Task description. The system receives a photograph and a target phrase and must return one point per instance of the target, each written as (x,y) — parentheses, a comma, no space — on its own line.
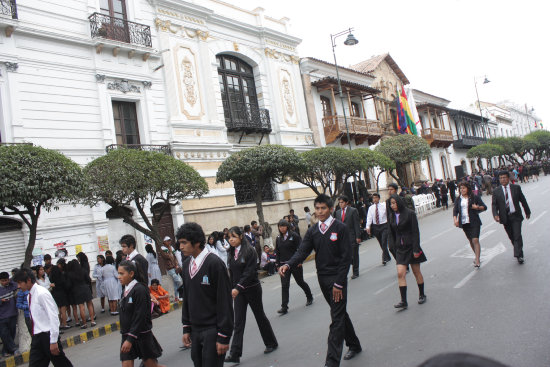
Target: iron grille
(105,26)
(8,7)
(244,192)
(246,117)
(147,147)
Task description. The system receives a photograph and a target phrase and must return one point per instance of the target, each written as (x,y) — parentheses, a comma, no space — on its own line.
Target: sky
(441,46)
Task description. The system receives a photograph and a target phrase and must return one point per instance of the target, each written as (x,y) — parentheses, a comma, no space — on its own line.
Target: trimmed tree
(542,137)
(259,166)
(487,151)
(33,179)
(126,177)
(373,159)
(404,149)
(328,168)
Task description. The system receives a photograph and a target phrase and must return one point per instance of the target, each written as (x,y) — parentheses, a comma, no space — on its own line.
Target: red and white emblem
(334,236)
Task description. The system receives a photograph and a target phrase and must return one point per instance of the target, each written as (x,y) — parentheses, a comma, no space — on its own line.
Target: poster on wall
(148,240)
(61,251)
(37,257)
(103,243)
(78,249)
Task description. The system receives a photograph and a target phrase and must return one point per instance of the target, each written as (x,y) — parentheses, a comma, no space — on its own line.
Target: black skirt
(404,256)
(471,230)
(144,347)
(80,294)
(60,297)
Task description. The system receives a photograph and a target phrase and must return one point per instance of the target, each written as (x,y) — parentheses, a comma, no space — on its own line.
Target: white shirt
(129,287)
(308,218)
(44,312)
(328,222)
(198,260)
(371,214)
(465,218)
(510,201)
(44,283)
(177,254)
(132,255)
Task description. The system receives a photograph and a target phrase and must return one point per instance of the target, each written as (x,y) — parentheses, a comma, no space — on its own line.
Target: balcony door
(325,103)
(114,25)
(126,123)
(240,102)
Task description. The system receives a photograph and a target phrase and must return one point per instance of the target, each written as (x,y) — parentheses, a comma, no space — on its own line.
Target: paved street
(500,311)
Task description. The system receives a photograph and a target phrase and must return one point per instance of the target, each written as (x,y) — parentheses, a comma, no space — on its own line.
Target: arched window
(240,102)
(327,109)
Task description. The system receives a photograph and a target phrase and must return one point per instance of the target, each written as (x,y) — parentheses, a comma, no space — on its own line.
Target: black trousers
(355,257)
(513,229)
(253,297)
(40,355)
(380,231)
(298,274)
(341,327)
(203,348)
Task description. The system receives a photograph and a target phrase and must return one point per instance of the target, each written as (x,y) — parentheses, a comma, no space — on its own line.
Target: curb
(74,340)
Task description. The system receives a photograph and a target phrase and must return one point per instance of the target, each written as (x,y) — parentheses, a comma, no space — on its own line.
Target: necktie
(343,214)
(323,227)
(377,216)
(194,268)
(506,198)
(236,253)
(32,320)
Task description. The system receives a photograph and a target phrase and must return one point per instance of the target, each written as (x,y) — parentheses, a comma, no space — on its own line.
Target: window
(436,123)
(113,8)
(126,124)
(325,103)
(244,192)
(238,89)
(355,110)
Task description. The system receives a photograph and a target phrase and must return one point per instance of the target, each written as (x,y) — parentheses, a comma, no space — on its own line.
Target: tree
(404,149)
(373,159)
(330,168)
(33,179)
(258,167)
(543,139)
(487,151)
(126,177)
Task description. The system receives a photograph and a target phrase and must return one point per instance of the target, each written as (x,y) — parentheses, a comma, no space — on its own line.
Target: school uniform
(331,241)
(377,222)
(285,247)
(404,237)
(244,278)
(468,218)
(207,310)
(44,329)
(136,325)
(140,262)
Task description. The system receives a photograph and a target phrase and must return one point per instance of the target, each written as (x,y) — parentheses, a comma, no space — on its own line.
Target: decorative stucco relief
(187,82)
(286,87)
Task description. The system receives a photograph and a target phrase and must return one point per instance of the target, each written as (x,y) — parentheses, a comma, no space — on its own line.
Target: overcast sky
(440,45)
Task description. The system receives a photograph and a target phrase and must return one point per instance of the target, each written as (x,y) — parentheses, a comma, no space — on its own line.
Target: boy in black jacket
(207,310)
(330,240)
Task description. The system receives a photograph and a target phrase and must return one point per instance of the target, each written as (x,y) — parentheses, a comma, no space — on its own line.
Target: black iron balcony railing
(466,142)
(117,29)
(246,117)
(9,8)
(148,147)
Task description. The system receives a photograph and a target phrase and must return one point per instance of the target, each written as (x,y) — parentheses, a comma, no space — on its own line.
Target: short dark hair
(253,222)
(109,260)
(23,275)
(467,186)
(306,209)
(324,199)
(291,211)
(192,232)
(47,257)
(246,228)
(394,185)
(283,223)
(128,240)
(155,281)
(5,275)
(376,194)
(344,198)
(504,173)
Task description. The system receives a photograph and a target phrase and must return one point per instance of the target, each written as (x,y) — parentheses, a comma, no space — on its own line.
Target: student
(45,344)
(377,225)
(59,287)
(331,241)
(247,290)
(136,326)
(111,285)
(8,314)
(207,312)
(128,244)
(161,296)
(80,292)
(97,274)
(286,245)
(154,269)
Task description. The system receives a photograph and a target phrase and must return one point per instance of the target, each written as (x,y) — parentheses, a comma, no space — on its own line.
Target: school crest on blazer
(334,236)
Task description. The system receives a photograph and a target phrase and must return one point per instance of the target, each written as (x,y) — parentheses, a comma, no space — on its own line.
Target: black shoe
(309,302)
(355,276)
(422,299)
(402,305)
(351,353)
(384,262)
(270,349)
(283,311)
(233,359)
(521,260)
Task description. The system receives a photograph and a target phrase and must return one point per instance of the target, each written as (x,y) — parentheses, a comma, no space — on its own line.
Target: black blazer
(285,249)
(499,203)
(351,221)
(472,213)
(243,271)
(406,233)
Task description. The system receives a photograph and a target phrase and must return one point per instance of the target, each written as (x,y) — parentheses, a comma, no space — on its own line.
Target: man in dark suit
(350,217)
(506,210)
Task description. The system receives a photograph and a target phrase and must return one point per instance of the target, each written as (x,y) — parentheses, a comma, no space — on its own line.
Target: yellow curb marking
(96,333)
(108,329)
(70,341)
(10,362)
(83,337)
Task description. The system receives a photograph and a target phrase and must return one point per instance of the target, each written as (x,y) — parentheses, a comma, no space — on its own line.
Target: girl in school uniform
(246,291)
(136,326)
(98,275)
(154,269)
(111,285)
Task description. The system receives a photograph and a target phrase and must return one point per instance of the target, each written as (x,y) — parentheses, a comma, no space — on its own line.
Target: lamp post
(485,81)
(350,41)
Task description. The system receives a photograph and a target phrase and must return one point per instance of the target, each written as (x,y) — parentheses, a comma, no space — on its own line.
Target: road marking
(466,251)
(485,259)
(537,218)
(439,234)
(395,281)
(543,192)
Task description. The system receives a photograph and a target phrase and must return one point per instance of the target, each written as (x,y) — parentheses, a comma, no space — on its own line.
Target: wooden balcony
(438,138)
(360,129)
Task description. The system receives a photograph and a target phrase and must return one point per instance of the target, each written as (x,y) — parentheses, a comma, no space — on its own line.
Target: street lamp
(485,81)
(350,41)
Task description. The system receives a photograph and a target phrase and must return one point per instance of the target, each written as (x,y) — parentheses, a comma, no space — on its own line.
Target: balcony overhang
(438,138)
(329,83)
(360,129)
(467,142)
